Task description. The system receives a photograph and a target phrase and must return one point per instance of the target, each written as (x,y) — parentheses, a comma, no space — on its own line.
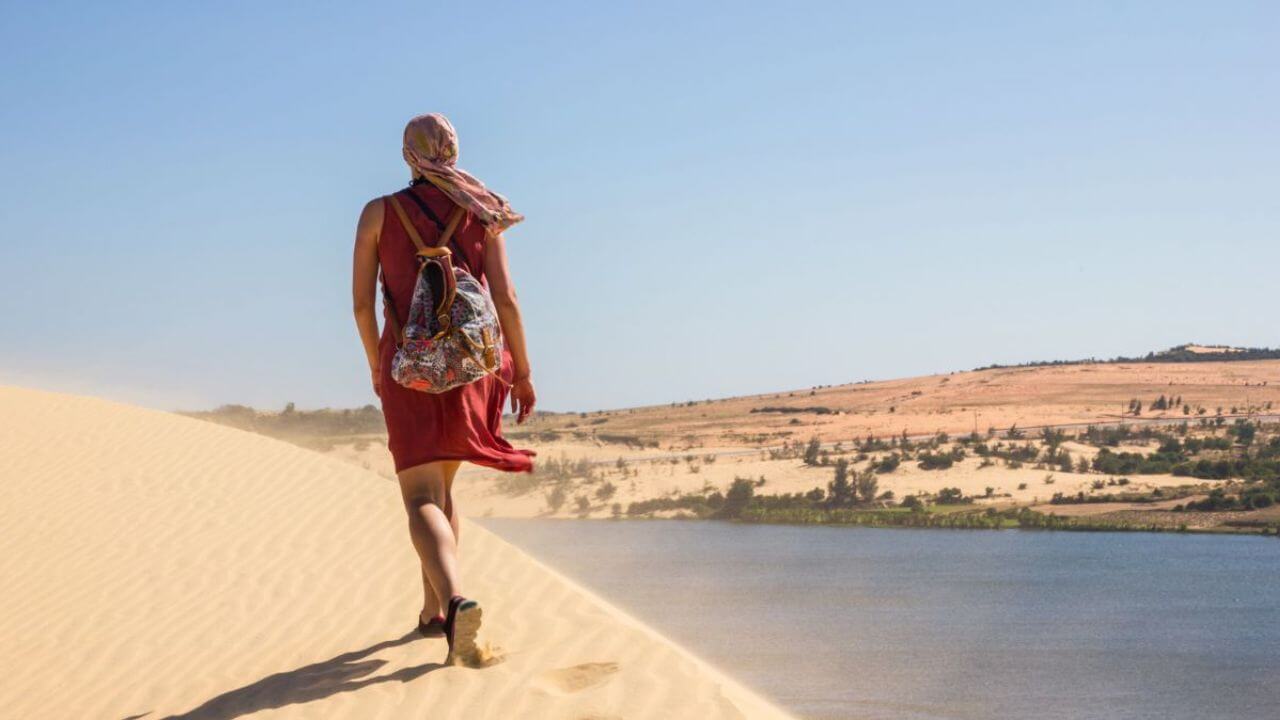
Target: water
(913,624)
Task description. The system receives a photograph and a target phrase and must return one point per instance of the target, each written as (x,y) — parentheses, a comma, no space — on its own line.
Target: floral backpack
(452,336)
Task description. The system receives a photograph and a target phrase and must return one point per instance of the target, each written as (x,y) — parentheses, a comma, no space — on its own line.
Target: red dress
(464,423)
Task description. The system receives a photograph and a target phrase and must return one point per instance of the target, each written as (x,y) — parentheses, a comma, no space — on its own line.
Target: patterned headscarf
(431,149)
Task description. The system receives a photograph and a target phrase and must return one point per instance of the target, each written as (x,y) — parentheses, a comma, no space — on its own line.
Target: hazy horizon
(721,200)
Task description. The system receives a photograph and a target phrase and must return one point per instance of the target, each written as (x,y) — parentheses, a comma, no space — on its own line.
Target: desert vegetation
(1240,459)
(1189,353)
(1095,442)
(315,429)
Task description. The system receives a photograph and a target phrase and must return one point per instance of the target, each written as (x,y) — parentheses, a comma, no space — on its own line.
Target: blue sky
(722,198)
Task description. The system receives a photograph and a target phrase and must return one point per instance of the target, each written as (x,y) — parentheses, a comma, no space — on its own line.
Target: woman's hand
(375,374)
(523,398)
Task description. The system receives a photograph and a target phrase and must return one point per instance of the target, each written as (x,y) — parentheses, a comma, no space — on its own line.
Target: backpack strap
(424,252)
(426,209)
(440,227)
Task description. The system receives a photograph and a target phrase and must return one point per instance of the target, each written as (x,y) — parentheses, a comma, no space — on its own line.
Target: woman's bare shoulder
(370,224)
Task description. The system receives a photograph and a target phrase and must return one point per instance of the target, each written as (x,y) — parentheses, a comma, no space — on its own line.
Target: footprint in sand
(577,678)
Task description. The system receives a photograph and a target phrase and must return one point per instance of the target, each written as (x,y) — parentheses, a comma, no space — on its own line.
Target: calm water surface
(912,624)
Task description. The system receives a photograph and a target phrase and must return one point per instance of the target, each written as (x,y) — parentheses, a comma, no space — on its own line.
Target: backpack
(452,336)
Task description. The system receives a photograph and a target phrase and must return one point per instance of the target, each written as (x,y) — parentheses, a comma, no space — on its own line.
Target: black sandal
(461,626)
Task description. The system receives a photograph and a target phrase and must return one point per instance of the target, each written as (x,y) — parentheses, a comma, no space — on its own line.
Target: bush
(952,496)
(931,461)
(556,498)
(738,498)
(887,464)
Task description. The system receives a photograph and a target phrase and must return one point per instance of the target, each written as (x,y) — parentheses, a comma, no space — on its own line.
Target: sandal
(431,628)
(461,627)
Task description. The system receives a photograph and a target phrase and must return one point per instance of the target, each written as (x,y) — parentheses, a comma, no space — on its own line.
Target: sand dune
(156,566)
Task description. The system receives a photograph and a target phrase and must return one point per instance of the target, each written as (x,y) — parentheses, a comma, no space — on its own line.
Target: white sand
(158,566)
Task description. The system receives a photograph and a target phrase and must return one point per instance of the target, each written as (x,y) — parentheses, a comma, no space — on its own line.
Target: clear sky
(722,198)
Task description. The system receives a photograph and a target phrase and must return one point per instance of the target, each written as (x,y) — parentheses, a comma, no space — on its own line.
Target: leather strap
(445,236)
(425,207)
(438,250)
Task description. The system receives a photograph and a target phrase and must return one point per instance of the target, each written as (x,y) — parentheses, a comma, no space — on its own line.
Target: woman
(430,435)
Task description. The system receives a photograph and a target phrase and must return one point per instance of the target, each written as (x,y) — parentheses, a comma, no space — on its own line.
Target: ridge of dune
(157,566)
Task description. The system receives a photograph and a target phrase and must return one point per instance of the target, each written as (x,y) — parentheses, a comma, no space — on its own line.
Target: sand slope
(155,566)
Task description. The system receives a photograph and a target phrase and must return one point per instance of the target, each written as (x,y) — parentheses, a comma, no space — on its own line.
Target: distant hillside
(1190,382)
(310,428)
(1177,354)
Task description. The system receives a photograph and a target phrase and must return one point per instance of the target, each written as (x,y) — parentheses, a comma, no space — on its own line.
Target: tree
(1245,432)
(812,452)
(738,497)
(1052,438)
(840,493)
(1064,461)
(867,484)
(606,491)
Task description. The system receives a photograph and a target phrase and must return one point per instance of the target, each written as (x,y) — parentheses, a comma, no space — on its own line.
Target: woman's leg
(425,491)
(450,510)
(430,603)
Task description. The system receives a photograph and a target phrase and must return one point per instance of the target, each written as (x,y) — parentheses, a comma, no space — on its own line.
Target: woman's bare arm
(364,285)
(503,291)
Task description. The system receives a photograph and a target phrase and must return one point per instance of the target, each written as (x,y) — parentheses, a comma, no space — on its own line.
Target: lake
(903,624)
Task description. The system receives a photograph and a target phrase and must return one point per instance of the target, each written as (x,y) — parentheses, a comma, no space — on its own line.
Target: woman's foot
(433,627)
(461,626)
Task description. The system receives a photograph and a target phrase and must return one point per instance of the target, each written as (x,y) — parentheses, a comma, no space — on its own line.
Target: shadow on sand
(341,673)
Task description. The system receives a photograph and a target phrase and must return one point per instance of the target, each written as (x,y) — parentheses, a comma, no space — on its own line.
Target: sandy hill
(603,461)
(157,566)
(955,403)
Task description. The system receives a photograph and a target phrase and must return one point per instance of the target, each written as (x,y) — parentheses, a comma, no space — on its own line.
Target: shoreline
(1266,532)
